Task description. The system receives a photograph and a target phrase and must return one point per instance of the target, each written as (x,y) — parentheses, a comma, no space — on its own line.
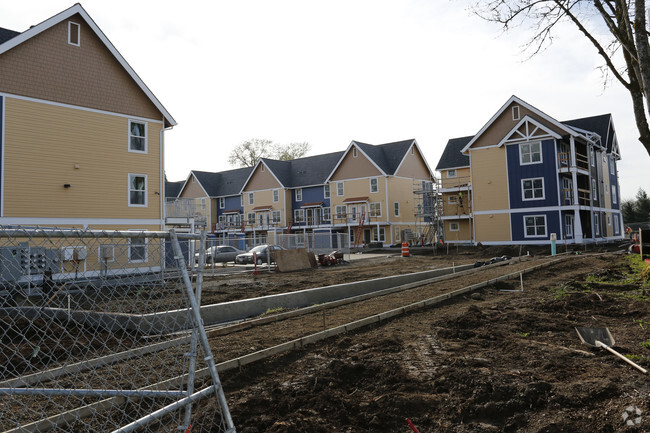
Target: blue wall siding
(546,170)
(613,181)
(310,195)
(518,229)
(232,203)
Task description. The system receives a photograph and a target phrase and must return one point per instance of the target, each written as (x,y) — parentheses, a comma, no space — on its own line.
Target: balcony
(584,197)
(564,161)
(195,208)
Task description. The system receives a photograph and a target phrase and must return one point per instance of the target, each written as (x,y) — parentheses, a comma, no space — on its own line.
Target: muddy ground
(495,361)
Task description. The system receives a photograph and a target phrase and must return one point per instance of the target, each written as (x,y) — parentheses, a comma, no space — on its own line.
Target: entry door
(353,213)
(363,213)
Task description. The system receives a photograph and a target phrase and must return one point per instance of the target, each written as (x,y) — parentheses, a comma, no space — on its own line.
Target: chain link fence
(101,331)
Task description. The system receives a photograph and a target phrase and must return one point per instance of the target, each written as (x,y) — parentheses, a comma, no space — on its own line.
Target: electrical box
(67,254)
(80,253)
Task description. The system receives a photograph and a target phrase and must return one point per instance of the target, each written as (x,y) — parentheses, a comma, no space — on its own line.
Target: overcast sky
(329,72)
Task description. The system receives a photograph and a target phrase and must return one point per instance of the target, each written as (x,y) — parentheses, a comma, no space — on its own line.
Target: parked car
(261,252)
(219,254)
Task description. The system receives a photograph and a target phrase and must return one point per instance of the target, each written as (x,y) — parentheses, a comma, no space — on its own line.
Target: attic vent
(515,112)
(74,31)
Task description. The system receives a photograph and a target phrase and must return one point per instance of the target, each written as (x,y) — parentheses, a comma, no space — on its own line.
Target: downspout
(473,209)
(390,227)
(162,176)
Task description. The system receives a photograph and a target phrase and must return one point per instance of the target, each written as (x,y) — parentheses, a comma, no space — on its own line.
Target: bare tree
(627,37)
(247,153)
(286,152)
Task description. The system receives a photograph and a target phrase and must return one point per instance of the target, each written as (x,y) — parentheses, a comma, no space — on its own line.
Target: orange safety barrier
(405,249)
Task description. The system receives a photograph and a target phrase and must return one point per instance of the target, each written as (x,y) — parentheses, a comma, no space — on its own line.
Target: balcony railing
(187,208)
(564,161)
(584,197)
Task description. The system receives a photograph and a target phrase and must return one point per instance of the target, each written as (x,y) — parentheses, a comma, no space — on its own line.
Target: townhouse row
(366,192)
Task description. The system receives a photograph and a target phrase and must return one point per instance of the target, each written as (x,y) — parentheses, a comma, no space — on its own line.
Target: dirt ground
(494,361)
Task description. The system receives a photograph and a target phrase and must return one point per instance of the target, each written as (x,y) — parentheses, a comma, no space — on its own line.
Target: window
(222,202)
(535,226)
(609,220)
(299,194)
(326,191)
(137,250)
(397,233)
(203,203)
(355,153)
(396,209)
(612,167)
(137,190)
(594,191)
(276,217)
(597,224)
(568,225)
(341,211)
(592,157)
(515,112)
(327,214)
(276,196)
(241,200)
(298,215)
(74,33)
(454,227)
(375,209)
(251,198)
(616,225)
(614,197)
(379,235)
(137,136)
(532,189)
(340,190)
(530,153)
(451,173)
(374,184)
(222,219)
(251,218)
(453,199)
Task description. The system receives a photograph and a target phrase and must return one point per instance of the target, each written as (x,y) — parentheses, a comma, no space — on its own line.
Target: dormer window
(74,33)
(354,152)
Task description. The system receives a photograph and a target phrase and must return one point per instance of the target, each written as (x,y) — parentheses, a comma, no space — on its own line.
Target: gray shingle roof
(451,156)
(598,124)
(224,183)
(6,34)
(307,171)
(387,156)
(172,189)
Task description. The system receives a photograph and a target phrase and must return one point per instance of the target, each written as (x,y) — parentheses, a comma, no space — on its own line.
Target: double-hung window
(532,189)
(327,214)
(396,208)
(137,190)
(530,153)
(251,198)
(374,209)
(222,202)
(299,194)
(326,190)
(276,196)
(137,249)
(340,190)
(341,210)
(276,217)
(298,215)
(374,184)
(535,226)
(137,136)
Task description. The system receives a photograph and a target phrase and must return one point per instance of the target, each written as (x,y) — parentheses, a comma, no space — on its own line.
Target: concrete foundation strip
(54,421)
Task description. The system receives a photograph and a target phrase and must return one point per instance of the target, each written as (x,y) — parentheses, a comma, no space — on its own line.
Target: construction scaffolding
(428,210)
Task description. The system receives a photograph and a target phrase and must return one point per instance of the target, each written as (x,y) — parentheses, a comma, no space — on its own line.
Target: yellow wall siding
(492,228)
(463,234)
(47,67)
(490,184)
(414,166)
(261,180)
(462,178)
(456,208)
(401,190)
(193,189)
(48,146)
(354,168)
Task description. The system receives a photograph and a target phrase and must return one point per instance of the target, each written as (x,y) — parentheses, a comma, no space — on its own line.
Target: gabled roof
(601,125)
(300,172)
(224,183)
(452,156)
(523,103)
(10,39)
(386,157)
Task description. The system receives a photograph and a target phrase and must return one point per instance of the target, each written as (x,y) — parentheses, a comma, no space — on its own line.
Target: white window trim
(532,180)
(568,228)
(326,191)
(541,154)
(376,185)
(526,235)
(396,208)
(370,206)
(128,190)
(327,213)
(592,156)
(612,169)
(279,216)
(71,25)
(594,190)
(597,224)
(146,133)
(451,226)
(452,173)
(355,152)
(298,194)
(454,201)
(515,112)
(222,202)
(614,194)
(340,192)
(146,251)
(343,214)
(251,198)
(276,195)
(250,218)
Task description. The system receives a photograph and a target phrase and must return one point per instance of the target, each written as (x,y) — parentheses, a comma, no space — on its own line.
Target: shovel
(601,337)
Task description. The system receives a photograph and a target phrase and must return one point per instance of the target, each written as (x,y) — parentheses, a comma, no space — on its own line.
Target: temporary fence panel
(101,331)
